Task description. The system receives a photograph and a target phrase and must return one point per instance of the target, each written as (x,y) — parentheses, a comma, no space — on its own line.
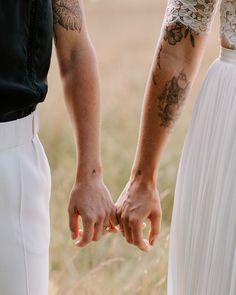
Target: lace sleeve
(197,15)
(228,23)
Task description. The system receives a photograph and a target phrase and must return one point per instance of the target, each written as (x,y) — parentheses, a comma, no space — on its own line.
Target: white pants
(25,189)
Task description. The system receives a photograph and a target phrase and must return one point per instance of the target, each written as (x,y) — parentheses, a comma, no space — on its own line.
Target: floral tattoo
(176,32)
(172,98)
(67,13)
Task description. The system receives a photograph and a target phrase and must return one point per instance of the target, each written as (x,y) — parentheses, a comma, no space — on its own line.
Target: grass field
(124,33)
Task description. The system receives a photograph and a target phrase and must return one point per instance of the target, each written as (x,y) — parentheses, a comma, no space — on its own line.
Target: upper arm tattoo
(67,13)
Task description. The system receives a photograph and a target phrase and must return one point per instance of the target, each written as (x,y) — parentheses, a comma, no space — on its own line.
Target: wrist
(87,172)
(146,177)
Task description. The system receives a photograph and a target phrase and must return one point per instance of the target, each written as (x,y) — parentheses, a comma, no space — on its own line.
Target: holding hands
(91,200)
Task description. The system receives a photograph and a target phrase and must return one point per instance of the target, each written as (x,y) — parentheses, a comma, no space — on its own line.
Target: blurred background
(124,33)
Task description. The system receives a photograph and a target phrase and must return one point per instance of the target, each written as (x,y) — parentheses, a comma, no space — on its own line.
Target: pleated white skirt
(202,245)
(25,186)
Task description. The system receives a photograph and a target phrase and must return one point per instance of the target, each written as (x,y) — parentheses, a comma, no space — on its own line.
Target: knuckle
(123,217)
(133,221)
(97,225)
(88,219)
(107,213)
(101,216)
(118,212)
(112,209)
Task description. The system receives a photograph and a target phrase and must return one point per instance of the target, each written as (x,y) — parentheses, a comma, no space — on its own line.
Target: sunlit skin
(174,67)
(175,64)
(89,197)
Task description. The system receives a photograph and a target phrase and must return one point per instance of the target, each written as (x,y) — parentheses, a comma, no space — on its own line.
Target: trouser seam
(22,231)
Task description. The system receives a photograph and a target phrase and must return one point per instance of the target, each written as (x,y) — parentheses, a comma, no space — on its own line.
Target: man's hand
(91,200)
(137,202)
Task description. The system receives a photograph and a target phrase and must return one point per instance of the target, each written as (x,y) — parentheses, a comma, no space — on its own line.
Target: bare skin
(89,197)
(175,64)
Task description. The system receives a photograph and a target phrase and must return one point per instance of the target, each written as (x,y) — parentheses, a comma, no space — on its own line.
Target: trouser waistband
(19,131)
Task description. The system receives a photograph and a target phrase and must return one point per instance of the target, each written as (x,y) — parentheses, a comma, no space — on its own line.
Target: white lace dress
(202,248)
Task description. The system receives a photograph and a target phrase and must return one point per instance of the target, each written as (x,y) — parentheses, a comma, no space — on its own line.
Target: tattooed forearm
(158,65)
(155,77)
(173,34)
(67,13)
(159,57)
(172,98)
(176,32)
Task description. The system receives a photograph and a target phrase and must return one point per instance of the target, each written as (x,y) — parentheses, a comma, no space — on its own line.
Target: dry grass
(124,33)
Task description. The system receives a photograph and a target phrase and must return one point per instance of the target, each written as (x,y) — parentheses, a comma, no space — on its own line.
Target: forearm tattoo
(158,64)
(173,34)
(159,57)
(176,32)
(172,98)
(67,13)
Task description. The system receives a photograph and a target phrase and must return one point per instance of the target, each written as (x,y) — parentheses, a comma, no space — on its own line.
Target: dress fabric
(25,188)
(202,245)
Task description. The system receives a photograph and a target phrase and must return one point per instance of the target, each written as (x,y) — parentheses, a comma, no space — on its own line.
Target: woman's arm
(176,62)
(89,197)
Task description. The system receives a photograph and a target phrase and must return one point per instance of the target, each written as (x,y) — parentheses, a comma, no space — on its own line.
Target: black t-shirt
(26,30)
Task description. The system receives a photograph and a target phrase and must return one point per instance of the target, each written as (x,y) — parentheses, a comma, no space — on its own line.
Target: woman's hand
(138,201)
(91,200)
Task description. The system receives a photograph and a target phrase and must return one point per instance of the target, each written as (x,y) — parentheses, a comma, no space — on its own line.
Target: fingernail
(147,245)
(77,244)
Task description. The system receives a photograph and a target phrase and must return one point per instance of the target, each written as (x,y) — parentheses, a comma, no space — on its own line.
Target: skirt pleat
(202,249)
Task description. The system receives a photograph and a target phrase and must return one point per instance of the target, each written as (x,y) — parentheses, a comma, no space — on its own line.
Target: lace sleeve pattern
(197,15)
(228,23)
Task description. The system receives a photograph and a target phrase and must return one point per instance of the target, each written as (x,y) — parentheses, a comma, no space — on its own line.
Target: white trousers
(25,189)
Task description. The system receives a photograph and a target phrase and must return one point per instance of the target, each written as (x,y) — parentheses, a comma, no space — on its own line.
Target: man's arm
(176,62)
(89,197)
